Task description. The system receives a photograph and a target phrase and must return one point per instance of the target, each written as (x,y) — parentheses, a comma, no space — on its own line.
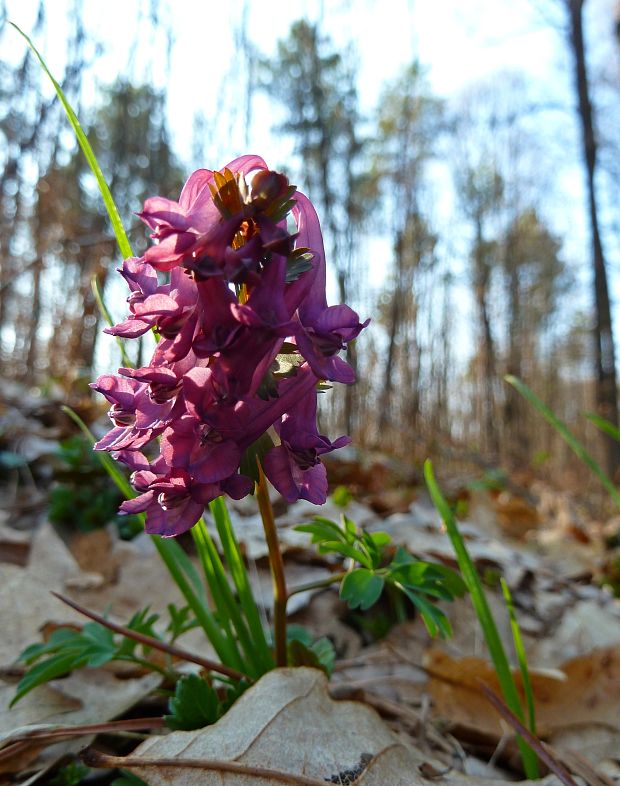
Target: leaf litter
(550,553)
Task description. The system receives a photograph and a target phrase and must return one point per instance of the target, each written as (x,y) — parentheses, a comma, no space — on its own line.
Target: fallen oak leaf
(267,729)
(588,694)
(286,729)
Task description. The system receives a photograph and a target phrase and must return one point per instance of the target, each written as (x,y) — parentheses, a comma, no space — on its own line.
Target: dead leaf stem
(94,758)
(109,727)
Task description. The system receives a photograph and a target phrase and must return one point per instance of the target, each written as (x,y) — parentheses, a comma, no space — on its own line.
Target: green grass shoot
(115,218)
(485,617)
(521,657)
(567,435)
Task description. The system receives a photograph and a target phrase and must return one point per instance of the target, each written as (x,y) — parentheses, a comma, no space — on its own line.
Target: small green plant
(83,498)
(373,567)
(304,650)
(492,480)
(70,775)
(94,645)
(197,703)
(341,496)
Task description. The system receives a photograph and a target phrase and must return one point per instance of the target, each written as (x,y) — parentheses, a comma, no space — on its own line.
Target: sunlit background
(442,143)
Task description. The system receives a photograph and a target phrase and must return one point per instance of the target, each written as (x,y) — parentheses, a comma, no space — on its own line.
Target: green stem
(521,657)
(222,646)
(326,582)
(277,567)
(103,310)
(223,598)
(117,224)
(261,653)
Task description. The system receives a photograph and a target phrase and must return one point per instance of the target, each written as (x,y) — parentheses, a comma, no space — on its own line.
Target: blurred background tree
(456,220)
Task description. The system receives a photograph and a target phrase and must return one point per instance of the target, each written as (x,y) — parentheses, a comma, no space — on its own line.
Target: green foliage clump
(83,498)
(375,566)
(197,703)
(94,645)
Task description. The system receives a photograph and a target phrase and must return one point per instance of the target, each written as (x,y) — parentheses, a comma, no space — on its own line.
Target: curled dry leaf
(588,696)
(287,723)
(86,696)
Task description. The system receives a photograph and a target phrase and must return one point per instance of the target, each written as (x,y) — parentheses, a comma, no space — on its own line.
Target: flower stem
(277,567)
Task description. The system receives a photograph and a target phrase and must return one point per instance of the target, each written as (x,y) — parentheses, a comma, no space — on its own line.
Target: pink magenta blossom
(234,287)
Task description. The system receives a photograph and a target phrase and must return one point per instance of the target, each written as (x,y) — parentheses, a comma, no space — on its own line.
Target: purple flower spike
(245,336)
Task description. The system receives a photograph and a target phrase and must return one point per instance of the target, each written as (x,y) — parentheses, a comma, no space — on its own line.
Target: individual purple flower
(173,503)
(200,449)
(163,387)
(294,467)
(172,500)
(323,330)
(166,308)
(217,326)
(127,396)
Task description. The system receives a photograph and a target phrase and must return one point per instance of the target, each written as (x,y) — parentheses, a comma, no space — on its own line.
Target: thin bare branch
(541,749)
(156,644)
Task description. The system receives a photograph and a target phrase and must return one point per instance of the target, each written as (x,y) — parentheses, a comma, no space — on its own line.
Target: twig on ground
(156,644)
(541,749)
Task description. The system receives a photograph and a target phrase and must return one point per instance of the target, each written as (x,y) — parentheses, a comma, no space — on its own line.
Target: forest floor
(429,721)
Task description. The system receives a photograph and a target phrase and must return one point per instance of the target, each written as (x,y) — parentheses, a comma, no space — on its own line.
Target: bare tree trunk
(516,445)
(385,401)
(605,358)
(487,348)
(35,318)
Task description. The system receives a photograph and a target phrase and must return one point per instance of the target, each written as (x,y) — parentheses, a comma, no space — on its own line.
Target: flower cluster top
(246,336)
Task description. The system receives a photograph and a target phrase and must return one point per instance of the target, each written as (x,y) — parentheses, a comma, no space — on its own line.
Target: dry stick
(109,727)
(277,567)
(24,742)
(156,644)
(14,749)
(94,758)
(582,766)
(534,743)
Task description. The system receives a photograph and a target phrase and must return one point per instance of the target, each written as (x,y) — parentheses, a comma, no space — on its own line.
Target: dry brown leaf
(93,553)
(515,515)
(287,722)
(589,696)
(25,606)
(86,696)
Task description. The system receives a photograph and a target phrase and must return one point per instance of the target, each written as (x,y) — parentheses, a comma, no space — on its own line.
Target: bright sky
(458,43)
